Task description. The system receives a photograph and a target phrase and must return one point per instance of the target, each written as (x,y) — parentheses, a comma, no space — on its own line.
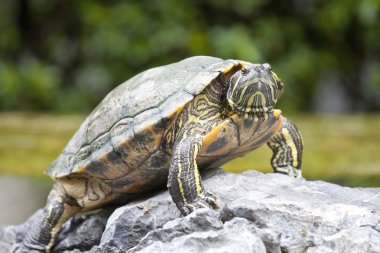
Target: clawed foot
(204,200)
(290,171)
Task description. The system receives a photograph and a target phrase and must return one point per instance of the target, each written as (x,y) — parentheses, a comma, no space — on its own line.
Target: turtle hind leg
(287,147)
(44,230)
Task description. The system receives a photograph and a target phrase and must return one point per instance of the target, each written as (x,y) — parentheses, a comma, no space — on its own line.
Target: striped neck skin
(253,91)
(255,113)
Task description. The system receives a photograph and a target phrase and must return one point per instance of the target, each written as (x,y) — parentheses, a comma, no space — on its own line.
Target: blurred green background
(58,59)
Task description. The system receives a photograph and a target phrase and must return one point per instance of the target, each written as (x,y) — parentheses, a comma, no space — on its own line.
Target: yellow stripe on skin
(180,182)
(53,231)
(280,121)
(272,92)
(79,170)
(228,69)
(242,94)
(290,142)
(196,172)
(53,234)
(250,101)
(233,90)
(67,212)
(276,113)
(241,63)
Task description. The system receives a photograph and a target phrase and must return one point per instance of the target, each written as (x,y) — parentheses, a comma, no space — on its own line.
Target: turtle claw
(290,171)
(209,198)
(204,200)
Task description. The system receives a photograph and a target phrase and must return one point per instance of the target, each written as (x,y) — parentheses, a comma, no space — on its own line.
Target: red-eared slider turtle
(159,128)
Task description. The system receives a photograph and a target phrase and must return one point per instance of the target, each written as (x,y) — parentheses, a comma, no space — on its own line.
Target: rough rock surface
(259,213)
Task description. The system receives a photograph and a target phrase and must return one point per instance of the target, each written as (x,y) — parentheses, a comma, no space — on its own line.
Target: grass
(339,149)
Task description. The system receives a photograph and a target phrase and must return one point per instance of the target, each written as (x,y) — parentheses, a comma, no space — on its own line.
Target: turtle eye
(244,71)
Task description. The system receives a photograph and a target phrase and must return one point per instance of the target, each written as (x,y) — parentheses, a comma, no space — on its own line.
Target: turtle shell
(131,114)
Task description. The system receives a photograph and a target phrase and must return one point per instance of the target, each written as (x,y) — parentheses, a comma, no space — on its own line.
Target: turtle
(159,129)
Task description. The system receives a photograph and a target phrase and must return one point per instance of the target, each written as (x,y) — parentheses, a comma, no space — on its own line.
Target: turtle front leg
(185,185)
(44,230)
(287,149)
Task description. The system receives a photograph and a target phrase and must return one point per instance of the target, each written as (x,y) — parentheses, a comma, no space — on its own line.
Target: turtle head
(254,90)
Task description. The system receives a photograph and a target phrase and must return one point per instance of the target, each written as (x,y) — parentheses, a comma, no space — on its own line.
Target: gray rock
(301,211)
(83,232)
(201,231)
(128,224)
(350,240)
(12,236)
(259,213)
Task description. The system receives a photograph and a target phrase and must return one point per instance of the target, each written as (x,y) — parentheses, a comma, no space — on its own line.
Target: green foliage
(66,55)
(29,85)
